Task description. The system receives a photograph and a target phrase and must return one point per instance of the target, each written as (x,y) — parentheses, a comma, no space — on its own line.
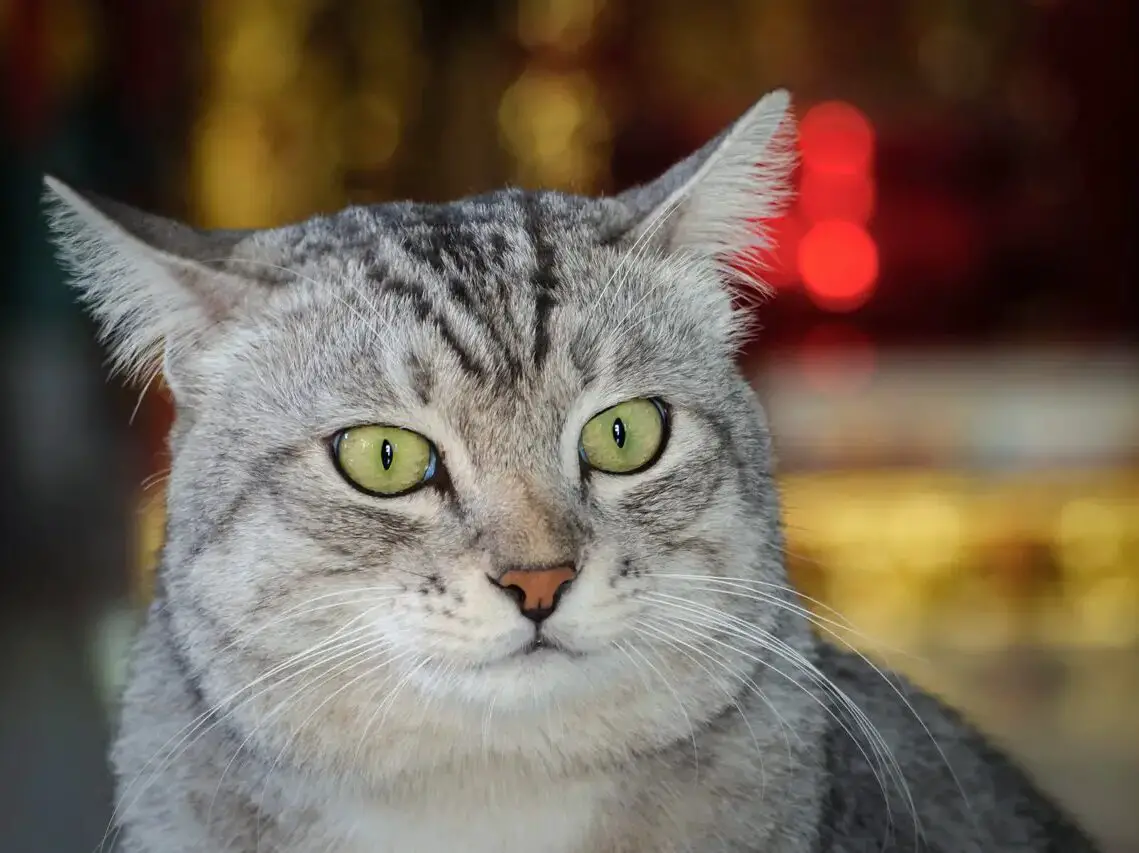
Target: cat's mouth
(540,644)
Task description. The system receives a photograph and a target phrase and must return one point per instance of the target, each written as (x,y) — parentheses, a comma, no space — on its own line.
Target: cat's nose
(536,590)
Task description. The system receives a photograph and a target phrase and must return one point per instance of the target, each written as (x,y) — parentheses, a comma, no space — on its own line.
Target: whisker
(732,624)
(389,700)
(488,715)
(679,646)
(306,278)
(679,703)
(357,653)
(735,676)
(369,672)
(679,622)
(836,627)
(155,372)
(620,645)
(193,731)
(299,611)
(637,249)
(823,624)
(152,480)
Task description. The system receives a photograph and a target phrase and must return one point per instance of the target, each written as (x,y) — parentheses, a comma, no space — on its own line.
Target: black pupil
(619,432)
(387,452)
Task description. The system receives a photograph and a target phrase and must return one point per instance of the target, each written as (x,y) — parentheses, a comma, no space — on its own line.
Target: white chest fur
(472,818)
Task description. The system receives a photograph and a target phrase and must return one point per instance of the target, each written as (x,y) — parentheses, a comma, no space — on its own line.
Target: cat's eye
(625,438)
(384,460)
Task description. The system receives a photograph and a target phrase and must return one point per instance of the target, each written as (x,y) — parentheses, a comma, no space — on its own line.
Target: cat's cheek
(462,620)
(595,613)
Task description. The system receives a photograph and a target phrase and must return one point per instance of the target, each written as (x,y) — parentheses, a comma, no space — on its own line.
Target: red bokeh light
(777,264)
(836,137)
(838,261)
(833,195)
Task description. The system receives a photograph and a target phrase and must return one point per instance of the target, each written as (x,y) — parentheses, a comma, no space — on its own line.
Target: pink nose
(537,591)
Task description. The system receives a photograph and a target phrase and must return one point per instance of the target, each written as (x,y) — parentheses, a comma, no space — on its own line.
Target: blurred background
(949,362)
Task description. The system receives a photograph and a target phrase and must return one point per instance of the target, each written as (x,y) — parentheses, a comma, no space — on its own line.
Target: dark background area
(949,358)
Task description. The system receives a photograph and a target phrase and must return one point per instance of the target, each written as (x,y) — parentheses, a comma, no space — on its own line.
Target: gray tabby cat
(473,544)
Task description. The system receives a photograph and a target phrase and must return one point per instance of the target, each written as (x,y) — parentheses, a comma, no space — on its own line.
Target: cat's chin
(537,657)
(529,675)
(529,649)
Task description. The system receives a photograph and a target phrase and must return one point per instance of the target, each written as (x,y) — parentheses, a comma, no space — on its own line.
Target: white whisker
(189,734)
(824,625)
(359,652)
(637,250)
(679,703)
(713,617)
(681,647)
(383,645)
(389,700)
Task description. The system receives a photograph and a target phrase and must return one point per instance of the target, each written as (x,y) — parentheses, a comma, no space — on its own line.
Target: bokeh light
(776,265)
(838,261)
(564,25)
(555,128)
(836,137)
(836,195)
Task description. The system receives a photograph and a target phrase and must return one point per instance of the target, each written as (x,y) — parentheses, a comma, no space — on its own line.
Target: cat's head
(485,469)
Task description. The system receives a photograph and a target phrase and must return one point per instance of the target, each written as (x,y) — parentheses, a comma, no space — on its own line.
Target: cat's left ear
(157,288)
(714,202)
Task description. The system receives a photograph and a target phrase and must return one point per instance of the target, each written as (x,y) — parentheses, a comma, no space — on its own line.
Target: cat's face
(498,369)
(437,466)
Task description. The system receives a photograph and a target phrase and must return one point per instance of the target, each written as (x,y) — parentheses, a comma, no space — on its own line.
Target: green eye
(626,438)
(383,460)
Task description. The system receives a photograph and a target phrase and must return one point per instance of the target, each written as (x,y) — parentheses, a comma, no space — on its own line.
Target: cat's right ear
(152,284)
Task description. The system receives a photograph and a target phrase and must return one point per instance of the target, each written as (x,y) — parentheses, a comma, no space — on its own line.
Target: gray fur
(326,671)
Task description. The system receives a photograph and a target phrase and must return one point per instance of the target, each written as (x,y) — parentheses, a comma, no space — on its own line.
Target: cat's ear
(713,203)
(153,285)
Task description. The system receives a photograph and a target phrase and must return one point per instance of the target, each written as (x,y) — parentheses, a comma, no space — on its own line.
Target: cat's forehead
(456,306)
(486,277)
(492,281)
(501,234)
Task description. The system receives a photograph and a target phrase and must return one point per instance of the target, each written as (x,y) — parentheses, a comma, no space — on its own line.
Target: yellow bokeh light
(374,126)
(564,24)
(1107,613)
(925,533)
(556,128)
(260,57)
(233,166)
(271,135)
(71,42)
(1089,536)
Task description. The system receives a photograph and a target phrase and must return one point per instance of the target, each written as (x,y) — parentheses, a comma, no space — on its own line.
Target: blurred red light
(839,264)
(836,137)
(772,261)
(833,195)
(779,259)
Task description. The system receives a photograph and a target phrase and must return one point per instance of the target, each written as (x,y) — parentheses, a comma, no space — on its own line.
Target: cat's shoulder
(908,767)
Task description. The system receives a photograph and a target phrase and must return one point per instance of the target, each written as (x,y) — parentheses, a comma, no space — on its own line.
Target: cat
(473,543)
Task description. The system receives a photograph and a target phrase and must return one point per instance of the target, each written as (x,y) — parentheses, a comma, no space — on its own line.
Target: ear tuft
(146,280)
(714,202)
